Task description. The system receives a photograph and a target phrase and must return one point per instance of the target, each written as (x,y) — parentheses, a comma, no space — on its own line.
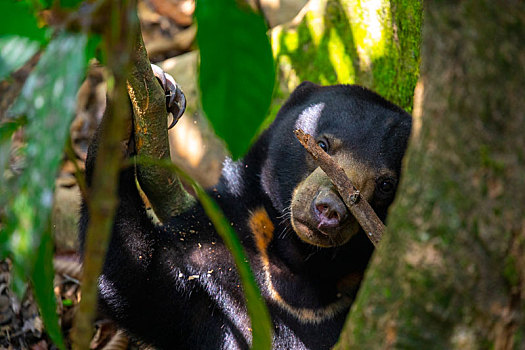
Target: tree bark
(366,42)
(163,189)
(450,271)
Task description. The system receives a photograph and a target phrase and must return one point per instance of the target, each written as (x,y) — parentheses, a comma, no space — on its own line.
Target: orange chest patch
(261,227)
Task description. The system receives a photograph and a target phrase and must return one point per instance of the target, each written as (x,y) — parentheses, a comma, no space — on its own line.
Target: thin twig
(357,205)
(119,38)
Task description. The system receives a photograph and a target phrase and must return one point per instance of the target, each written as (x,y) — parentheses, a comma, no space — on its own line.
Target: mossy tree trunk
(450,273)
(374,43)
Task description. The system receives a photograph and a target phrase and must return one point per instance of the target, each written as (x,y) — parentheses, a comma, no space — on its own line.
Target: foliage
(15,51)
(236,78)
(261,323)
(23,25)
(236,75)
(47,103)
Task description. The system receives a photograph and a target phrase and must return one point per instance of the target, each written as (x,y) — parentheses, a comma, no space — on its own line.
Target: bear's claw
(175,99)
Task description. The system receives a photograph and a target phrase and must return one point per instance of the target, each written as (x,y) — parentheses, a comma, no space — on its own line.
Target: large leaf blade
(14,52)
(237,73)
(48,101)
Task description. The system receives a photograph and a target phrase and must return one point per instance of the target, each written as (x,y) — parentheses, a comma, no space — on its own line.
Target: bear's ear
(301,93)
(298,98)
(305,87)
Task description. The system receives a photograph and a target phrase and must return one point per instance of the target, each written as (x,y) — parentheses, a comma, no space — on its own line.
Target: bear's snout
(329,211)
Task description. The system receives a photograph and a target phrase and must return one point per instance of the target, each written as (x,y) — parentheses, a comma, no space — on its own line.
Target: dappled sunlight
(355,38)
(417,113)
(292,80)
(349,42)
(273,4)
(186,142)
(371,22)
(316,47)
(339,57)
(315,20)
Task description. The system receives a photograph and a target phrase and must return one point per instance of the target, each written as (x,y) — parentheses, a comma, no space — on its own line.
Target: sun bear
(175,286)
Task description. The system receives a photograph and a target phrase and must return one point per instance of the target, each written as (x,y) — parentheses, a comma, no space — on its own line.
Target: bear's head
(365,134)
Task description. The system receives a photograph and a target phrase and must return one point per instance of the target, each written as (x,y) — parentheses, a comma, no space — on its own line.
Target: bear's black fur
(176,286)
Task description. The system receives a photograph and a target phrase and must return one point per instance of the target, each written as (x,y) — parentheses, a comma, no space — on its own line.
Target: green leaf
(93,47)
(48,100)
(237,72)
(42,279)
(17,18)
(70,3)
(14,52)
(8,128)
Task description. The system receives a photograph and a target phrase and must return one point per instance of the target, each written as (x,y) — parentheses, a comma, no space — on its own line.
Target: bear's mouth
(317,237)
(320,225)
(318,213)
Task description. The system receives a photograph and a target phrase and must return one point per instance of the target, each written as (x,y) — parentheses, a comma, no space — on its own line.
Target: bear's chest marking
(262,229)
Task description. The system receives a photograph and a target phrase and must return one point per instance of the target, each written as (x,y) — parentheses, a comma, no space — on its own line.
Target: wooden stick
(357,205)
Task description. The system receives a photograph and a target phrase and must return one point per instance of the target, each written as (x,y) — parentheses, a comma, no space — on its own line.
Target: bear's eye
(386,185)
(323,145)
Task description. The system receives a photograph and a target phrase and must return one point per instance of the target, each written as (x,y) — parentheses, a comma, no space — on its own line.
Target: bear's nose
(329,209)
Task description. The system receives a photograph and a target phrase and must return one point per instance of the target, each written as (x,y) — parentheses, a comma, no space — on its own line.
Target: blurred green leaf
(42,278)
(93,48)
(69,3)
(43,3)
(237,72)
(48,100)
(14,52)
(8,128)
(17,18)
(63,4)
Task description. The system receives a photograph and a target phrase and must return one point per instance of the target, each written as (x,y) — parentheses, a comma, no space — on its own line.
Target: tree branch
(102,198)
(162,188)
(357,205)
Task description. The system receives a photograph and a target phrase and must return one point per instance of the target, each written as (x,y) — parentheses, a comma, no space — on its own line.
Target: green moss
(339,58)
(372,43)
(510,271)
(519,338)
(490,162)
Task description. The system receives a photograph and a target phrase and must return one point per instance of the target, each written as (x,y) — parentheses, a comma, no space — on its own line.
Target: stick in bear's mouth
(355,203)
